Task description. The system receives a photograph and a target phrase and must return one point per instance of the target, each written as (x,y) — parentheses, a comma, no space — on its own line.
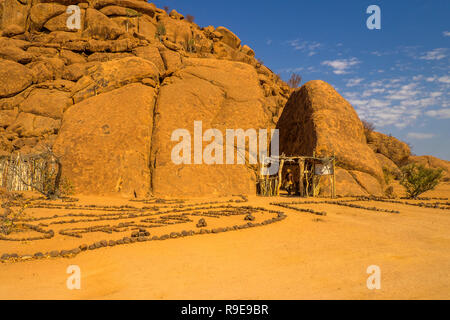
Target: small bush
(166,9)
(387,175)
(417,179)
(190,18)
(189,43)
(389,192)
(11,210)
(160,31)
(132,13)
(368,126)
(294,81)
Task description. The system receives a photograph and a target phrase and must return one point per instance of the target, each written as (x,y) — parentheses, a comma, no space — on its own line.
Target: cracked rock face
(223,95)
(106,141)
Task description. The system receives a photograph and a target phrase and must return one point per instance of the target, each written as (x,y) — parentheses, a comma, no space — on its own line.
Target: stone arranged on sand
(202,223)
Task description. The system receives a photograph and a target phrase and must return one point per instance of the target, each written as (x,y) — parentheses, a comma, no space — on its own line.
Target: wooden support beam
(280,177)
(313,174)
(333,192)
(301,187)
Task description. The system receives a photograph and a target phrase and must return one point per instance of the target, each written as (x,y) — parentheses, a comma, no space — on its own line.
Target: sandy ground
(302,257)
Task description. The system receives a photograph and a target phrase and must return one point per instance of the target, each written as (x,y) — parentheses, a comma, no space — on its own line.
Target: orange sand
(302,257)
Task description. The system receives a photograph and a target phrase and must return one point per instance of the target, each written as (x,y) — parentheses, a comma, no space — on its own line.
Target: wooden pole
(333,192)
(313,174)
(301,176)
(280,177)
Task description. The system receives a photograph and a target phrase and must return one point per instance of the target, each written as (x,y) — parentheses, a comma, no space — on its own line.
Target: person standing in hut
(289,184)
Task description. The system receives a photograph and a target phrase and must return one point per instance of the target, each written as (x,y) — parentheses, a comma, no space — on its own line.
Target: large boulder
(221,94)
(99,26)
(105,142)
(15,54)
(147,28)
(389,146)
(317,118)
(13,16)
(58,23)
(368,183)
(30,125)
(151,54)
(15,78)
(229,37)
(138,5)
(388,165)
(46,69)
(177,31)
(47,103)
(346,185)
(7,117)
(432,162)
(112,75)
(42,12)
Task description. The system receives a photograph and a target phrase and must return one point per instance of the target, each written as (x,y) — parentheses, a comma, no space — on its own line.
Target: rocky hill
(108,95)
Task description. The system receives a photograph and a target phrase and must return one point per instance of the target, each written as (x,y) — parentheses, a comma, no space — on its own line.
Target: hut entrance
(298,176)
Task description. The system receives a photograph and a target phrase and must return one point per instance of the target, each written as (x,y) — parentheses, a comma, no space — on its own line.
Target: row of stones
(14,257)
(107,229)
(47,205)
(437,205)
(156,223)
(113,217)
(47,234)
(77,232)
(289,206)
(338,203)
(119,209)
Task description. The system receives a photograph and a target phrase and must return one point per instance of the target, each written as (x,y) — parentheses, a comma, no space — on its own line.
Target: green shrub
(387,175)
(417,179)
(160,31)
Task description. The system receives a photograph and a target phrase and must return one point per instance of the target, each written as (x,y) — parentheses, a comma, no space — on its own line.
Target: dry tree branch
(50,189)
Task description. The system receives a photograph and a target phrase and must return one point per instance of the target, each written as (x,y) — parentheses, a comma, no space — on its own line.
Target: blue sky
(397,77)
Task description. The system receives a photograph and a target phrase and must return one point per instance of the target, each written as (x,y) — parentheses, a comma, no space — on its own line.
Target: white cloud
(374,91)
(435,94)
(441,114)
(420,136)
(291,70)
(405,92)
(444,79)
(436,54)
(296,44)
(399,101)
(309,47)
(446,33)
(376,103)
(354,82)
(341,66)
(269,42)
